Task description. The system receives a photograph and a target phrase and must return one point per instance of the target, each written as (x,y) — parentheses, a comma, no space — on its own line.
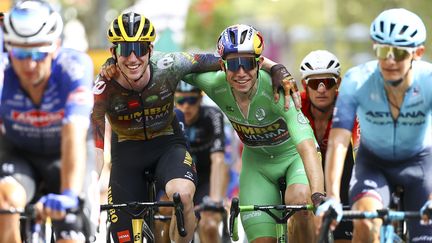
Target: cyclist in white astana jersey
(393,100)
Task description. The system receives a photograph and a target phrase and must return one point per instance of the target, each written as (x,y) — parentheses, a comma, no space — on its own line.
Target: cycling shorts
(39,174)
(375,177)
(165,157)
(259,186)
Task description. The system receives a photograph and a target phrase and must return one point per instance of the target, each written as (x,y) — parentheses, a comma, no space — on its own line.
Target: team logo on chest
(260,114)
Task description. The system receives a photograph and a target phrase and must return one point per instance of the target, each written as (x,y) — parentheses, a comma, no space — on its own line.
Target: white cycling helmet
(32,21)
(320,62)
(398,27)
(240,38)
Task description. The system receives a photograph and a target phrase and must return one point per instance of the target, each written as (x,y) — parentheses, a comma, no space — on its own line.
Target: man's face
(32,63)
(189,103)
(241,71)
(395,62)
(133,58)
(322,89)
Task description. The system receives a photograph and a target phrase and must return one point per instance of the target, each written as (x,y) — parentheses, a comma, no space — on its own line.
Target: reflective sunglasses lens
(126,48)
(234,64)
(191,100)
(400,54)
(21,54)
(315,83)
(384,52)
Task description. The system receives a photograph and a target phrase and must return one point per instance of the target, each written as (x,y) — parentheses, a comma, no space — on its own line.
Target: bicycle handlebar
(236,209)
(176,204)
(385,214)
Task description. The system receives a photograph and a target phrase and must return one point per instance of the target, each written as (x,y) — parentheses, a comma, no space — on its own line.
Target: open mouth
(133,67)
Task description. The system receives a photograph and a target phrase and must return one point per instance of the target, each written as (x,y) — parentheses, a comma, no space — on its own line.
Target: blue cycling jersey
(67,98)
(362,91)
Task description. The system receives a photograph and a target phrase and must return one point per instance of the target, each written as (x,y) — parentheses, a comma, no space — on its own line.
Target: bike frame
(139,225)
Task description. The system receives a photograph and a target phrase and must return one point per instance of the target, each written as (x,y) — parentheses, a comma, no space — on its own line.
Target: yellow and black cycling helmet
(131,27)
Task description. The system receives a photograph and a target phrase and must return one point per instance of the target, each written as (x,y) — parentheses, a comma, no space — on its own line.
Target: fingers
(276,95)
(297,100)
(109,71)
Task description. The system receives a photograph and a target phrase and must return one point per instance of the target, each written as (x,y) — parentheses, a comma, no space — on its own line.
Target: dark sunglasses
(234,64)
(397,53)
(126,48)
(191,100)
(314,83)
(24,53)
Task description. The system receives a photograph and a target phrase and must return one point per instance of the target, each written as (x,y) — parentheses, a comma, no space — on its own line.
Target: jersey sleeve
(344,113)
(218,144)
(77,72)
(99,110)
(205,81)
(298,125)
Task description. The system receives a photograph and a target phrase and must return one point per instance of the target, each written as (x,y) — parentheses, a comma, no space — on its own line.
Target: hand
(55,205)
(317,198)
(282,79)
(324,207)
(109,69)
(426,213)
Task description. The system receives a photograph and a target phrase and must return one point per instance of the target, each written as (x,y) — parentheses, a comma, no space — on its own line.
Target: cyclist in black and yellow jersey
(138,103)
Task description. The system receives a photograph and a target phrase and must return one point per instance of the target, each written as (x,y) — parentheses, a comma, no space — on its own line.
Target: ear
(151,49)
(112,50)
(419,52)
(260,61)
(222,65)
(338,82)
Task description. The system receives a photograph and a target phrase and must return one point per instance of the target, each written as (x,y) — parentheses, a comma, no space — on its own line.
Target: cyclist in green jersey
(277,143)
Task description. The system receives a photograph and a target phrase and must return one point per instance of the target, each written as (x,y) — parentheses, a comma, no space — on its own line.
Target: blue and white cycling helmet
(240,38)
(398,27)
(32,21)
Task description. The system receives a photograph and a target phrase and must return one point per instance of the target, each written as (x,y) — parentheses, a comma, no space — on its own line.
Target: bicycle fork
(140,227)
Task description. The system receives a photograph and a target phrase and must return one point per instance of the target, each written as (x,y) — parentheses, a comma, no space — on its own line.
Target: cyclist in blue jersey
(393,99)
(46,148)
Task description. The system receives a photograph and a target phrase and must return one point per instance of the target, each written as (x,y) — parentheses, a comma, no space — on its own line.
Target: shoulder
(422,68)
(75,64)
(361,72)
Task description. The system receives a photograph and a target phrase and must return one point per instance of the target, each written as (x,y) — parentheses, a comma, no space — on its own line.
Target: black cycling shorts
(165,157)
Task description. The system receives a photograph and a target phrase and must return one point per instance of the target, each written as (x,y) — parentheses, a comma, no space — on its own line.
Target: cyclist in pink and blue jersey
(45,147)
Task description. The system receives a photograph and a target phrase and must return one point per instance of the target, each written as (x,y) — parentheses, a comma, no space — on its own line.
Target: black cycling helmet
(185,87)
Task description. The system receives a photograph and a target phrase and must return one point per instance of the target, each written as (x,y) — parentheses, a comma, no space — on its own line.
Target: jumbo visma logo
(267,135)
(151,113)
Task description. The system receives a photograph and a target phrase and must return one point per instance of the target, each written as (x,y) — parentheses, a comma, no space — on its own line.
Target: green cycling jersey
(268,128)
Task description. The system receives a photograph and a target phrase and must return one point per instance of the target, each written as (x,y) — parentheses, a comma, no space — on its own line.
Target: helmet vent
(232,37)
(404,28)
(330,64)
(243,36)
(309,66)
(392,26)
(381,26)
(414,33)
